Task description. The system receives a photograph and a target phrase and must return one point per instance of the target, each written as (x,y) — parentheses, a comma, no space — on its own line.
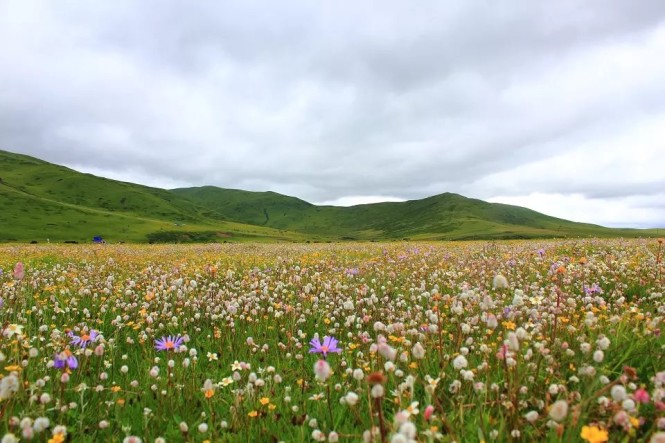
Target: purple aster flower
(65,360)
(85,339)
(329,345)
(593,289)
(170,343)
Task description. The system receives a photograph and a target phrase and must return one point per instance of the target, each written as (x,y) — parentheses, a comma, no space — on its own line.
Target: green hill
(445,216)
(40,200)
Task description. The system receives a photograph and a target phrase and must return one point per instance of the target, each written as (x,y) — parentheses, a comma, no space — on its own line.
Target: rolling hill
(40,200)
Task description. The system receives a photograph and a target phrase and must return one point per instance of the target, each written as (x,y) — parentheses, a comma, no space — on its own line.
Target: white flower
(41,423)
(460,362)
(418,351)
(408,430)
(500,282)
(559,410)
(351,398)
(531,416)
(377,391)
(8,386)
(603,343)
(387,351)
(512,342)
(628,404)
(9,438)
(358,374)
(397,438)
(412,409)
(618,393)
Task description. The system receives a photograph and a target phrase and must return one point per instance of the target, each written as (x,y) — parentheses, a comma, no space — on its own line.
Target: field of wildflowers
(396,342)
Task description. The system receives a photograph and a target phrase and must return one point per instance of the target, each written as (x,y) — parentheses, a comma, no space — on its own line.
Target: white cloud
(344,102)
(353,200)
(578,208)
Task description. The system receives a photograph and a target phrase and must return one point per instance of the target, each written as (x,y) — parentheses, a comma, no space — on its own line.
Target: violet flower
(85,339)
(65,360)
(170,343)
(329,345)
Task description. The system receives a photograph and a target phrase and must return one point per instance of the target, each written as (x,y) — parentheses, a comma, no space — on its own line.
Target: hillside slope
(444,216)
(40,200)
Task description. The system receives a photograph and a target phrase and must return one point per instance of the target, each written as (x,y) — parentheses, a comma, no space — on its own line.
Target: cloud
(347,101)
(354,200)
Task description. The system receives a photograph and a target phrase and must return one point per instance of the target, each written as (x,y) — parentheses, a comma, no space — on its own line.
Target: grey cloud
(324,101)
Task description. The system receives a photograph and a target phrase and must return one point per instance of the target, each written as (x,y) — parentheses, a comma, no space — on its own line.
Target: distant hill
(445,216)
(40,200)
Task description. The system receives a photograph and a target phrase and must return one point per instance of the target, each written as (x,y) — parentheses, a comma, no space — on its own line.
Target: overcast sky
(558,106)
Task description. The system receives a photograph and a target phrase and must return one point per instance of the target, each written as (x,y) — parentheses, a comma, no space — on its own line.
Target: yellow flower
(593,434)
(116,388)
(394,339)
(12,368)
(264,401)
(209,393)
(509,325)
(635,422)
(57,438)
(252,414)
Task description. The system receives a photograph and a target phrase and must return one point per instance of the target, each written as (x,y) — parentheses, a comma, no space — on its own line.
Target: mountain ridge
(42,200)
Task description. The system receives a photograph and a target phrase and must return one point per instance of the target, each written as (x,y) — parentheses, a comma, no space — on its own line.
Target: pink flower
(429,411)
(641,396)
(322,370)
(502,353)
(19,272)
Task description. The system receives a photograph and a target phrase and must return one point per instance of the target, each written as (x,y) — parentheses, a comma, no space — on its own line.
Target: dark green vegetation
(40,200)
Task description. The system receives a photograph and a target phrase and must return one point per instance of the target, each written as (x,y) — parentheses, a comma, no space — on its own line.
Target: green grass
(441,217)
(261,304)
(40,200)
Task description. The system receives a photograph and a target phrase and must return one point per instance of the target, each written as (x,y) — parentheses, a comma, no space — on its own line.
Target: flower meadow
(554,341)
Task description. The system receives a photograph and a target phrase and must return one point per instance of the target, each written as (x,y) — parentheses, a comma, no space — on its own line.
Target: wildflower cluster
(519,341)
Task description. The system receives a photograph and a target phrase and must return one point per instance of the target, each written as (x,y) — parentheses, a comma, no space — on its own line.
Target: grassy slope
(445,216)
(39,200)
